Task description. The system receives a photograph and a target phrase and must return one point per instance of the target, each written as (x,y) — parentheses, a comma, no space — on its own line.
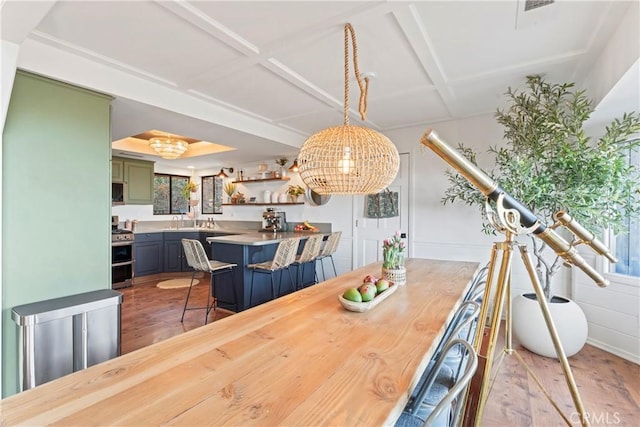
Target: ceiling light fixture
(349,159)
(168,147)
(224,175)
(294,167)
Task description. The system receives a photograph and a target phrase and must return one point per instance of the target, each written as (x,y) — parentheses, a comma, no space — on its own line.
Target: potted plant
(229,189)
(189,187)
(550,164)
(393,268)
(295,191)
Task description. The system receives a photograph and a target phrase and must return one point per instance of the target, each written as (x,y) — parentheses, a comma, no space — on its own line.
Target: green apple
(352,294)
(382,285)
(368,291)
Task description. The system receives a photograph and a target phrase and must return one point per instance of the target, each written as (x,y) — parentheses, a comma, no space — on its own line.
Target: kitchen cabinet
(174,258)
(138,178)
(117,170)
(148,251)
(161,252)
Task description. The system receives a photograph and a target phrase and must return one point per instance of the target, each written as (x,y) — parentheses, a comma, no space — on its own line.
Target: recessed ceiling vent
(534,4)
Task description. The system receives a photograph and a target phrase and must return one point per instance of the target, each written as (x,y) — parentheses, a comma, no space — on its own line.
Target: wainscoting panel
(612,313)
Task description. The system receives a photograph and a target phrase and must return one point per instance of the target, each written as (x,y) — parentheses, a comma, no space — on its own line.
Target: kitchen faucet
(175,218)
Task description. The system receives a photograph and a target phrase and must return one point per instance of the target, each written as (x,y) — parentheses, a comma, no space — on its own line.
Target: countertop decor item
(361,307)
(349,159)
(393,260)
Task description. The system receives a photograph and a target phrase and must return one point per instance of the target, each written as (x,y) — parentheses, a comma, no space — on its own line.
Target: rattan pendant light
(349,159)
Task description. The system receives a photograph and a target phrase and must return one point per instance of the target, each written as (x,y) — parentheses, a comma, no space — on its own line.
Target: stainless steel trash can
(64,335)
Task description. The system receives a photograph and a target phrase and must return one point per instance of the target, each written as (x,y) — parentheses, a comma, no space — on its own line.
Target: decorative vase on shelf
(393,268)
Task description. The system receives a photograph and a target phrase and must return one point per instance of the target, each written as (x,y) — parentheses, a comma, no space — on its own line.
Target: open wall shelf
(261,204)
(251,181)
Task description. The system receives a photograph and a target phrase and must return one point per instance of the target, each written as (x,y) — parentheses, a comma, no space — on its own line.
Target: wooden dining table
(301,359)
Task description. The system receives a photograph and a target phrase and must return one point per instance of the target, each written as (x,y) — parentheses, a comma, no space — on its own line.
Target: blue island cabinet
(244,255)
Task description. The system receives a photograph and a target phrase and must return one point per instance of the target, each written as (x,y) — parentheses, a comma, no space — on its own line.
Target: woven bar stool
(327,251)
(198,260)
(285,255)
(309,253)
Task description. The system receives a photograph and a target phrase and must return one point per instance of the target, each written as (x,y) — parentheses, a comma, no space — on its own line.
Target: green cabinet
(137,176)
(117,170)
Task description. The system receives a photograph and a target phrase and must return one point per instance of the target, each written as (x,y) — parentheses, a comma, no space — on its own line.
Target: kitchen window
(211,195)
(167,194)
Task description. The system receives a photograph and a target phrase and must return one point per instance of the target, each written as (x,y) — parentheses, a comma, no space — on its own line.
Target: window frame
(216,208)
(610,240)
(173,210)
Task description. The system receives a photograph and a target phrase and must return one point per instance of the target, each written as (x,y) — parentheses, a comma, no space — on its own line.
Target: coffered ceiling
(263,76)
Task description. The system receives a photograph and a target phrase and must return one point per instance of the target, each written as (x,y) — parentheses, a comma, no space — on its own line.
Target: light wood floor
(609,385)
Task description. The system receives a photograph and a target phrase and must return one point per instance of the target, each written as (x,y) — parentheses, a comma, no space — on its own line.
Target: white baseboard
(634,358)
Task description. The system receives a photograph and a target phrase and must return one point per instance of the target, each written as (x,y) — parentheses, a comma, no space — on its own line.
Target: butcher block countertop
(301,359)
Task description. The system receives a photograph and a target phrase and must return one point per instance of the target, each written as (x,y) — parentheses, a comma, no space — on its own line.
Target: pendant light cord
(364,87)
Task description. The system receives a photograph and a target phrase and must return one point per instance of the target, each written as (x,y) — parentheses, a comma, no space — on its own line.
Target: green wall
(55,199)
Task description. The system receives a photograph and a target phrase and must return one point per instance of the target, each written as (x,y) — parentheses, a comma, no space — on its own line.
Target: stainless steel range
(122,259)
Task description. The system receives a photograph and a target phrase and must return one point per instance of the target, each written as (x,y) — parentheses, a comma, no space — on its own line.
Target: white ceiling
(263,76)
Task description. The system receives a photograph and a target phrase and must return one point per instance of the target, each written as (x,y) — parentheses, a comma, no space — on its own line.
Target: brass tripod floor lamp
(512,218)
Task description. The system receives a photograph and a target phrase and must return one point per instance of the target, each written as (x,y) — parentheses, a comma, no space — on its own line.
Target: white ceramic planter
(530,329)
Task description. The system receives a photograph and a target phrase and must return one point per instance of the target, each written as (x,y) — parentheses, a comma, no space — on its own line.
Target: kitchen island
(299,360)
(248,248)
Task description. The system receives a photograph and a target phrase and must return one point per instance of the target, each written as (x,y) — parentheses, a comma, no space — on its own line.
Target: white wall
(612,312)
